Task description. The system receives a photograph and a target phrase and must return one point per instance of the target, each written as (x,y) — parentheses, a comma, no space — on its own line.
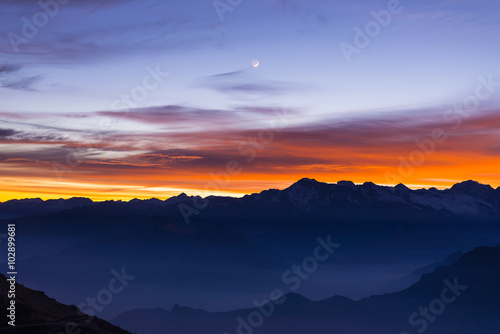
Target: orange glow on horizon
(215,163)
(164,187)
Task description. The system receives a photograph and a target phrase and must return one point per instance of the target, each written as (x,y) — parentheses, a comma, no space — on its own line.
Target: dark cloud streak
(7,133)
(12,78)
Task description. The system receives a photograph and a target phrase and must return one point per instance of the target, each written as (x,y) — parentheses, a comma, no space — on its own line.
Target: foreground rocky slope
(38,313)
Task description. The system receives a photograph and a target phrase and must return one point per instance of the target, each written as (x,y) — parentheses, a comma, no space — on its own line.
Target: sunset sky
(131,99)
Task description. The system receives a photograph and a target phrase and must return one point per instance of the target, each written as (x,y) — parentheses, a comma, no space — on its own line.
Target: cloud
(7,133)
(226,74)
(89,32)
(245,82)
(40,153)
(22,83)
(181,143)
(12,77)
(34,4)
(7,68)
(173,115)
(182,119)
(151,160)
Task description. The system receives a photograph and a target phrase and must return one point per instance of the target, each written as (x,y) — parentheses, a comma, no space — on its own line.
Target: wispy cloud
(169,152)
(7,68)
(244,82)
(74,3)
(360,141)
(153,27)
(12,77)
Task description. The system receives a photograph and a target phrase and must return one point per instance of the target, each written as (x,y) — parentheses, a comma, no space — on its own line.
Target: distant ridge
(34,206)
(468,198)
(472,306)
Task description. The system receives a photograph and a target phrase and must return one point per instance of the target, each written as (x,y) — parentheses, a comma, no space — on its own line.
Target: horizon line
(232,194)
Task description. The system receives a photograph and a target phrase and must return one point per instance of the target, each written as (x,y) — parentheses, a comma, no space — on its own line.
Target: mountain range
(467,199)
(221,253)
(461,298)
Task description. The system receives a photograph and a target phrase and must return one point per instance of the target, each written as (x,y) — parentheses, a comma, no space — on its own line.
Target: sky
(127,99)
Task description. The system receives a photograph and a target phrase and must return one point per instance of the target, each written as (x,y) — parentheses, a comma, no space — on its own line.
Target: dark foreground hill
(37,313)
(462,298)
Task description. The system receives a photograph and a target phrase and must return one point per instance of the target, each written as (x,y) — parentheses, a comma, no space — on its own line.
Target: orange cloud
(422,150)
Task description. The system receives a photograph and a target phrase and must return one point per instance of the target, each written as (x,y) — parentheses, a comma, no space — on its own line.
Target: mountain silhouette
(459,298)
(469,198)
(38,313)
(408,280)
(233,248)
